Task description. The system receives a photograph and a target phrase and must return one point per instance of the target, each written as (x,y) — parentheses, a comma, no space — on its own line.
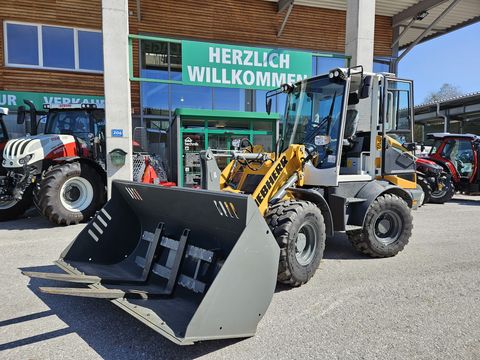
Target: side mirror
(422,147)
(21,115)
(366,87)
(410,146)
(268,105)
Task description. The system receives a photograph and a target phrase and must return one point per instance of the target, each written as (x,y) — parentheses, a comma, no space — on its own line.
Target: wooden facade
(248,22)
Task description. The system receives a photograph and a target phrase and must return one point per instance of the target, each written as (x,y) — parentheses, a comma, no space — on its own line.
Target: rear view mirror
(366,87)
(21,115)
(268,105)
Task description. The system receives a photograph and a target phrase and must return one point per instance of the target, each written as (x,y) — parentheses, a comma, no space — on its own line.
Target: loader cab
(324,112)
(397,119)
(315,113)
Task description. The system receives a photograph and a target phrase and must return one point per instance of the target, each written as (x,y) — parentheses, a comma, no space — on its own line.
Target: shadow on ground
(31,220)
(469,202)
(108,330)
(113,334)
(340,248)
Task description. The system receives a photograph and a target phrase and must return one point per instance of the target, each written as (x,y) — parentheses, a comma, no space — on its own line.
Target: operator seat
(351,124)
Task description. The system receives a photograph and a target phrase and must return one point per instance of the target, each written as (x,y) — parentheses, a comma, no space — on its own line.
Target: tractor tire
(444,195)
(387,228)
(427,189)
(13,210)
(70,193)
(299,229)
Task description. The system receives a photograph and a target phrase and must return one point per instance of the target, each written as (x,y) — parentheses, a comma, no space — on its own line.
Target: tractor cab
(459,155)
(85,122)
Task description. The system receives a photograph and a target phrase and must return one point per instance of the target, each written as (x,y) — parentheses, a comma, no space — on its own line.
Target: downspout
(444,117)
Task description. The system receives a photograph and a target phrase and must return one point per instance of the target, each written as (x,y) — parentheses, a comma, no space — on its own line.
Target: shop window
(325,64)
(155,99)
(22,44)
(228,99)
(58,47)
(53,47)
(194,97)
(380,66)
(154,60)
(90,48)
(175,61)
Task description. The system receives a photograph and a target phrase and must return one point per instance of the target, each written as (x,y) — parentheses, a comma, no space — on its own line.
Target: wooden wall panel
(74,13)
(253,22)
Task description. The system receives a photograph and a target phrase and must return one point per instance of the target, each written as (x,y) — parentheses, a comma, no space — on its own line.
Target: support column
(117,86)
(360,32)
(359,45)
(393,62)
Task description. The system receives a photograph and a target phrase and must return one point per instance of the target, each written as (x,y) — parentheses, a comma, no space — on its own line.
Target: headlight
(25,159)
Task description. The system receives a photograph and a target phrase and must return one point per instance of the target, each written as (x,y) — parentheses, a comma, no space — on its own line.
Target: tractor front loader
(197,264)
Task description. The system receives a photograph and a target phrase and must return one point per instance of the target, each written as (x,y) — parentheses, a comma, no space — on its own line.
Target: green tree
(446,91)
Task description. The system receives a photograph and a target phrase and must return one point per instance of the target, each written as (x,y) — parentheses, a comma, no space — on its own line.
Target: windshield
(435,146)
(313,116)
(71,122)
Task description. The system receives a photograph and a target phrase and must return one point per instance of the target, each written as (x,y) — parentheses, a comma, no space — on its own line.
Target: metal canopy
(402,11)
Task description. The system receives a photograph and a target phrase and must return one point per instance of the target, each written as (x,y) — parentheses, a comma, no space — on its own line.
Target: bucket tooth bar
(79,279)
(93,293)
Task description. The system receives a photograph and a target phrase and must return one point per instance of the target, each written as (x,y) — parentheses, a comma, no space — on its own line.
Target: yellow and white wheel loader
(203,264)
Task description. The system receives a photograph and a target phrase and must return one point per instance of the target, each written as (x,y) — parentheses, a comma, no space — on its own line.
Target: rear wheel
(70,193)
(299,229)
(443,194)
(10,210)
(387,228)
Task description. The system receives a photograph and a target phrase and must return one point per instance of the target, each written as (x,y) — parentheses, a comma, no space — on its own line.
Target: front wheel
(387,228)
(444,192)
(10,210)
(70,193)
(299,229)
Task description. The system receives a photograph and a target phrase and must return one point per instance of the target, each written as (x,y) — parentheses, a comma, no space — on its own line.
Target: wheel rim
(76,194)
(388,227)
(306,244)
(4,205)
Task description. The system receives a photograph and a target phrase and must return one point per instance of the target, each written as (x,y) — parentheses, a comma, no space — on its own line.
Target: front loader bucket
(191,264)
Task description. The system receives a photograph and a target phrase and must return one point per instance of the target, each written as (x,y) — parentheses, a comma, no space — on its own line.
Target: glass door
(192,144)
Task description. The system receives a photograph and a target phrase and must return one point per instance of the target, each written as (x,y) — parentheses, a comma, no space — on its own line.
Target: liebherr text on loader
(202,264)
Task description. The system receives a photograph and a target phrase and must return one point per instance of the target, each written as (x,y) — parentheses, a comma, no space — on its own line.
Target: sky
(452,58)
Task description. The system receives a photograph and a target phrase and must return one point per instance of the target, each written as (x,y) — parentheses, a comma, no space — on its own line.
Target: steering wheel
(464,157)
(311,150)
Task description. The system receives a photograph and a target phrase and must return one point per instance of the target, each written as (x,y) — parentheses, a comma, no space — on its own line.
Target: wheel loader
(201,264)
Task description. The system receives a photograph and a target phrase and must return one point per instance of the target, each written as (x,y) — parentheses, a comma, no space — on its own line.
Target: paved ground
(424,303)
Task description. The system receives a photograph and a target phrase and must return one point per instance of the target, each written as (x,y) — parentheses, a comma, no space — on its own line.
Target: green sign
(242,67)
(13,99)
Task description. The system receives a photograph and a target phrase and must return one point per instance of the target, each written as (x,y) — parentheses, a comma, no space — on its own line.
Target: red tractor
(458,154)
(437,185)
(61,171)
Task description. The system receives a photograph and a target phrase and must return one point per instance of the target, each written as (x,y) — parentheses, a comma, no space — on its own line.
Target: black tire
(53,202)
(373,239)
(287,220)
(427,189)
(444,195)
(17,209)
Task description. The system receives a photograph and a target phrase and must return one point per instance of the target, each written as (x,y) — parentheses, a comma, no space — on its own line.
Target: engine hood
(426,163)
(30,149)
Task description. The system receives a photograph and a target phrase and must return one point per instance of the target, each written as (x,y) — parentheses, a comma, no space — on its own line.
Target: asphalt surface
(423,303)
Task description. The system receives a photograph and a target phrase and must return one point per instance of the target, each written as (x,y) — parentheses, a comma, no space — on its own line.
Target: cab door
(397,127)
